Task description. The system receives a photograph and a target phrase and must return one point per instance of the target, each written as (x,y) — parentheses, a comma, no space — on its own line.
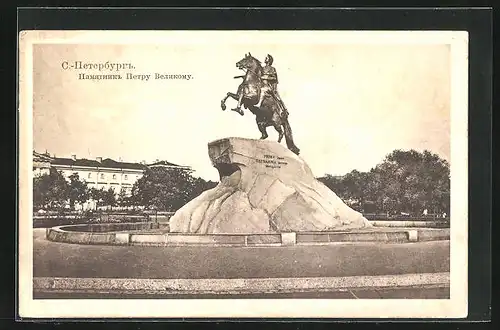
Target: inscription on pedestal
(272,161)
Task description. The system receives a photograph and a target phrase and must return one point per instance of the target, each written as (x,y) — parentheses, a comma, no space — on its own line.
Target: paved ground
(368,293)
(72,260)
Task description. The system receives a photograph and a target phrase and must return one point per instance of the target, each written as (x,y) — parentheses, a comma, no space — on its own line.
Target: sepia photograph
(243,174)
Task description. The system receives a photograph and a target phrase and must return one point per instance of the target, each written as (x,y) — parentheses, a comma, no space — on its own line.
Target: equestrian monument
(264,187)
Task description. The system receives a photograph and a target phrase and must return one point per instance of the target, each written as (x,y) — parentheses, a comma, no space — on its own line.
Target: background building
(99,173)
(41,163)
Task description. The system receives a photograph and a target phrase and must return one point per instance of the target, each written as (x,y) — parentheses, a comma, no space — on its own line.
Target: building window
(114,176)
(90,175)
(125,177)
(102,176)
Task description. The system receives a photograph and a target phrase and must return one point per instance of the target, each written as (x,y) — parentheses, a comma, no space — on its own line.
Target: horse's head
(249,63)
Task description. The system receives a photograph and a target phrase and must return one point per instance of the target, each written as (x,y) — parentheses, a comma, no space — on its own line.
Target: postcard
(221,174)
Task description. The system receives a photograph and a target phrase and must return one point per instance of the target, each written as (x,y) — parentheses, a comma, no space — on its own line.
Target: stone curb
(235,286)
(63,235)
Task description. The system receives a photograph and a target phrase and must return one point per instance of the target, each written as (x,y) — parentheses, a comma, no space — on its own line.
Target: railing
(400,217)
(58,218)
(159,216)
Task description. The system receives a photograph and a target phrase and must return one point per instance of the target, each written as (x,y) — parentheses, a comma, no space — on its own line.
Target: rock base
(264,188)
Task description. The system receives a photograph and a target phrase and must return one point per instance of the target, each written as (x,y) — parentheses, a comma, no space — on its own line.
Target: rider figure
(270,79)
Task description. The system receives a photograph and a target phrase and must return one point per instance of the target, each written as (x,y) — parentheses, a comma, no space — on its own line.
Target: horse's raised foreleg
(228,95)
(238,106)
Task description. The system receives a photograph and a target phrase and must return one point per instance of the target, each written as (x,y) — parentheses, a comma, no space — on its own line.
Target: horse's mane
(256,60)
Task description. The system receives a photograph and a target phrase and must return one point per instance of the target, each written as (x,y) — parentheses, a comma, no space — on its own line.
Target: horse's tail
(288,136)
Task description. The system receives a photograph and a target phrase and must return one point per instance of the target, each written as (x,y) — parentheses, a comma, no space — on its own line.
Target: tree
(109,198)
(122,198)
(335,184)
(405,181)
(50,189)
(97,195)
(77,190)
(200,185)
(354,188)
(168,189)
(414,181)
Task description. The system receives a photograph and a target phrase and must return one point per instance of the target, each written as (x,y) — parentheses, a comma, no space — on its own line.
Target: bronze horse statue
(270,112)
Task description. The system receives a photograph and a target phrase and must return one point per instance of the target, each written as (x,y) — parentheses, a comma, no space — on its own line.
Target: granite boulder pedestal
(264,188)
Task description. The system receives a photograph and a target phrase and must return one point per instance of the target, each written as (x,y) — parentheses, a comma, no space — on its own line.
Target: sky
(350,104)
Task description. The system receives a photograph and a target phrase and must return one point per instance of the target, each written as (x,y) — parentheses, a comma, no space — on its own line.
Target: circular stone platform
(151,234)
